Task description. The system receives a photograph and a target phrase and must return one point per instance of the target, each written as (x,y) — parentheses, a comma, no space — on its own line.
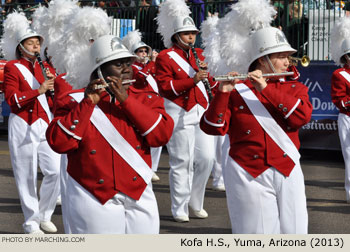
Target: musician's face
(120,68)
(142,53)
(188,37)
(280,61)
(32,45)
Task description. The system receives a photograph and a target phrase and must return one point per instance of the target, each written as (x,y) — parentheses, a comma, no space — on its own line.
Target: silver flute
(107,84)
(245,76)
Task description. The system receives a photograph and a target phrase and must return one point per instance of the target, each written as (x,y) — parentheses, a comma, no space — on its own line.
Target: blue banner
(322,131)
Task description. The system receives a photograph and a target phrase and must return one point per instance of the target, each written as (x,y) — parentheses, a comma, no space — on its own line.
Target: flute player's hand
(92,93)
(228,86)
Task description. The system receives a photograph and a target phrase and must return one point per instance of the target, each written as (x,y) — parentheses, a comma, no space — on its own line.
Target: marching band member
(264,182)
(144,69)
(180,82)
(340,86)
(107,138)
(27,93)
(51,22)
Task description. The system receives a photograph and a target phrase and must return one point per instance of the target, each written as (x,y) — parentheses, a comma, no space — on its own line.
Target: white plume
(60,13)
(168,11)
(232,36)
(13,23)
(211,43)
(74,58)
(340,31)
(40,24)
(132,38)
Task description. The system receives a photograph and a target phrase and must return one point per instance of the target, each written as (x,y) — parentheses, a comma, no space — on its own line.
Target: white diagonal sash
(267,122)
(346,75)
(151,81)
(117,141)
(34,84)
(189,70)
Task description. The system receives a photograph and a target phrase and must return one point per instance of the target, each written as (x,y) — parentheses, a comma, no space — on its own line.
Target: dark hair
(253,66)
(343,59)
(173,39)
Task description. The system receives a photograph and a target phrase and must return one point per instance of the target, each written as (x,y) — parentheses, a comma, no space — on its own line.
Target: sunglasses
(140,51)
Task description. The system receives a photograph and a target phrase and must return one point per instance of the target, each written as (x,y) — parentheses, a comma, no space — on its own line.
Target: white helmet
(184,23)
(22,35)
(345,47)
(106,49)
(141,44)
(266,41)
(16,30)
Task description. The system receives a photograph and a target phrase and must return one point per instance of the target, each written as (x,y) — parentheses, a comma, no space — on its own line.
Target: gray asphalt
(324,178)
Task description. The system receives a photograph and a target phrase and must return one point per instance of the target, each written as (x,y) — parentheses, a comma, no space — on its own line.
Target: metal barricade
(306,23)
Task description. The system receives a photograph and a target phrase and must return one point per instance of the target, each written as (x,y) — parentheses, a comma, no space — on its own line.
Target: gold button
(220,115)
(241,107)
(284,154)
(280,106)
(138,147)
(248,132)
(220,120)
(75,121)
(285,109)
(134,178)
(256,156)
(72,127)
(93,151)
(101,181)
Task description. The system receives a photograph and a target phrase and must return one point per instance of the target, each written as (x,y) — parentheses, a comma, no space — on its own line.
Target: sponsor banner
(322,131)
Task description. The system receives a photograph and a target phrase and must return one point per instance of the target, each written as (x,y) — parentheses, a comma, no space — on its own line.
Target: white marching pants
(28,149)
(63,181)
(191,159)
(222,145)
(119,215)
(268,204)
(344,136)
(155,155)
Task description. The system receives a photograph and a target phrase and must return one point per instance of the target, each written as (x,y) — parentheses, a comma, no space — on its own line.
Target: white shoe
(181,218)
(37,232)
(202,214)
(48,226)
(59,201)
(219,188)
(155,177)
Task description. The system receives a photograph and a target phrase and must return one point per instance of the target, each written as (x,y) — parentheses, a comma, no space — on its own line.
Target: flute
(107,84)
(245,76)
(205,81)
(43,70)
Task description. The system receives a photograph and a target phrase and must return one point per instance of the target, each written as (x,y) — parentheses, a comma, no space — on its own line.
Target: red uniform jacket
(251,147)
(20,96)
(170,77)
(340,90)
(92,162)
(149,68)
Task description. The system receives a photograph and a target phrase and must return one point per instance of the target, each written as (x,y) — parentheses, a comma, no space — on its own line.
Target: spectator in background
(313,5)
(8,6)
(197,8)
(156,2)
(347,9)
